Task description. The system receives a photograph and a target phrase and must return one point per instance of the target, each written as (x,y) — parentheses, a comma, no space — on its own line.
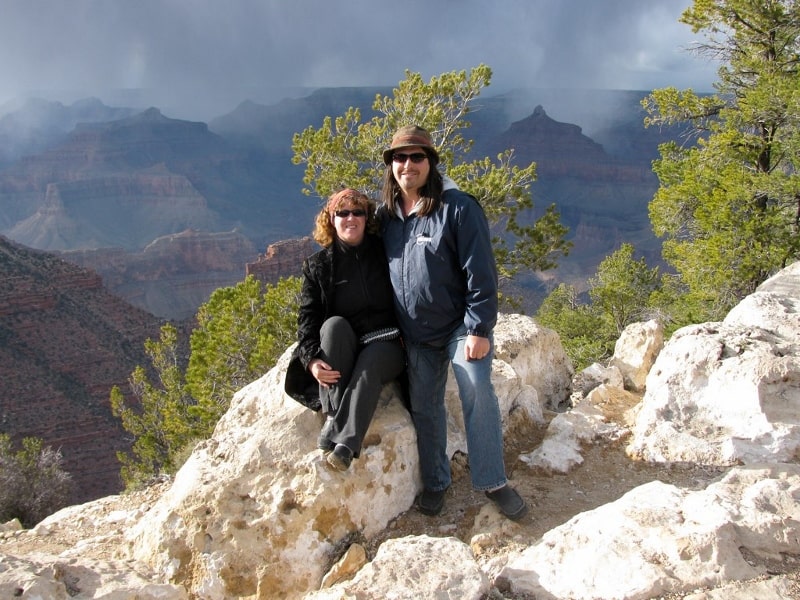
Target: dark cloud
(203,57)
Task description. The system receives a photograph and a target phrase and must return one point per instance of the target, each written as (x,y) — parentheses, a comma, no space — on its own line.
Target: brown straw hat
(411,135)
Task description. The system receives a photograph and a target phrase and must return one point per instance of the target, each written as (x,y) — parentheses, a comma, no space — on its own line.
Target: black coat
(351,282)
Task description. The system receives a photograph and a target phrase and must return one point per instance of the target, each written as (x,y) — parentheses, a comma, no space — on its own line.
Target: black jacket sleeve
(313,310)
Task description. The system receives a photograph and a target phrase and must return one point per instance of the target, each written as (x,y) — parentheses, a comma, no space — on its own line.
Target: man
(444,278)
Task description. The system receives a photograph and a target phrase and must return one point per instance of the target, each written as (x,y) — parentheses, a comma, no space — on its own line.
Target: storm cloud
(203,57)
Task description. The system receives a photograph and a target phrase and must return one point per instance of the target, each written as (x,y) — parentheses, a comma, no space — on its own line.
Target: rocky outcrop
(561,149)
(127,210)
(172,276)
(728,393)
(39,123)
(282,259)
(65,341)
(664,539)
(255,514)
(297,507)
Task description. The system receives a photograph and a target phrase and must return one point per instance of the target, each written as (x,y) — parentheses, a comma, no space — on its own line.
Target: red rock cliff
(65,341)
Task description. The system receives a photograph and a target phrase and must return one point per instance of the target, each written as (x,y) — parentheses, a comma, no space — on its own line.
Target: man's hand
(476,347)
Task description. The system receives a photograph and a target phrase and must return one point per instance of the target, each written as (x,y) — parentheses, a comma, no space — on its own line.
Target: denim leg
(482,420)
(427,376)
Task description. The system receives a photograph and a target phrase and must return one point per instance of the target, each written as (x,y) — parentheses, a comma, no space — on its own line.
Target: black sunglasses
(417,157)
(358,212)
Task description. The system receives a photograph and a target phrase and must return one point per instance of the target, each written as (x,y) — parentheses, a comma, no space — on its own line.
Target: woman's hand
(476,347)
(322,372)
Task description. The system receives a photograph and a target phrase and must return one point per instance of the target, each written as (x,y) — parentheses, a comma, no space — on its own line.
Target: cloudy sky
(203,57)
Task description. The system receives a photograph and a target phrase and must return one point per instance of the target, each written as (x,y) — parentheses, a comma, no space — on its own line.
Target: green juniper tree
(346,152)
(161,421)
(622,288)
(621,292)
(728,206)
(241,333)
(585,333)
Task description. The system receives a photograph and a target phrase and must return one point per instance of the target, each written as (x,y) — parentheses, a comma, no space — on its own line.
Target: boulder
(636,350)
(666,540)
(255,511)
(728,393)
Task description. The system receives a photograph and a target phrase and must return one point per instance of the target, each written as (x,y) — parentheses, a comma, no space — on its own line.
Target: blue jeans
(427,375)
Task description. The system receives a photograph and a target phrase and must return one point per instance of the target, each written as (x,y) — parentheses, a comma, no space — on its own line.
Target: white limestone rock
(255,514)
(415,567)
(536,356)
(728,393)
(255,511)
(665,539)
(560,450)
(636,351)
(593,376)
(53,578)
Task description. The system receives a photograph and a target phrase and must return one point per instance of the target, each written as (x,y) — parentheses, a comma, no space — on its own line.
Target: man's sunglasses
(343,214)
(417,157)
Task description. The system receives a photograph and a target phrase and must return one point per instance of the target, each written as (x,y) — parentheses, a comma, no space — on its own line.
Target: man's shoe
(431,503)
(508,502)
(323,441)
(340,458)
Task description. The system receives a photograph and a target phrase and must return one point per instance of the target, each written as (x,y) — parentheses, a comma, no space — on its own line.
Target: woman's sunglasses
(343,214)
(417,157)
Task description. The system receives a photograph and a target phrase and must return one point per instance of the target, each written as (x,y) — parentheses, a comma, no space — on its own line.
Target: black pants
(365,370)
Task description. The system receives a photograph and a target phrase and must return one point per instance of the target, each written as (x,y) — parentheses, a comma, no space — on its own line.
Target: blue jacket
(442,268)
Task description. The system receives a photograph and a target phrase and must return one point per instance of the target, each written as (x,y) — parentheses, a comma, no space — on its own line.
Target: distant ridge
(37,123)
(125,182)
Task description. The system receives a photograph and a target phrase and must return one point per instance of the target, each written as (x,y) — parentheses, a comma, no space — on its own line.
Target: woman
(444,276)
(348,341)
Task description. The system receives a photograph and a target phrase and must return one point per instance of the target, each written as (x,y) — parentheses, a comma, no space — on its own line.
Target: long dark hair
(430,194)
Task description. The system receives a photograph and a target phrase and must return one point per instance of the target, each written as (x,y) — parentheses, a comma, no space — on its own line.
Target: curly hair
(325,232)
